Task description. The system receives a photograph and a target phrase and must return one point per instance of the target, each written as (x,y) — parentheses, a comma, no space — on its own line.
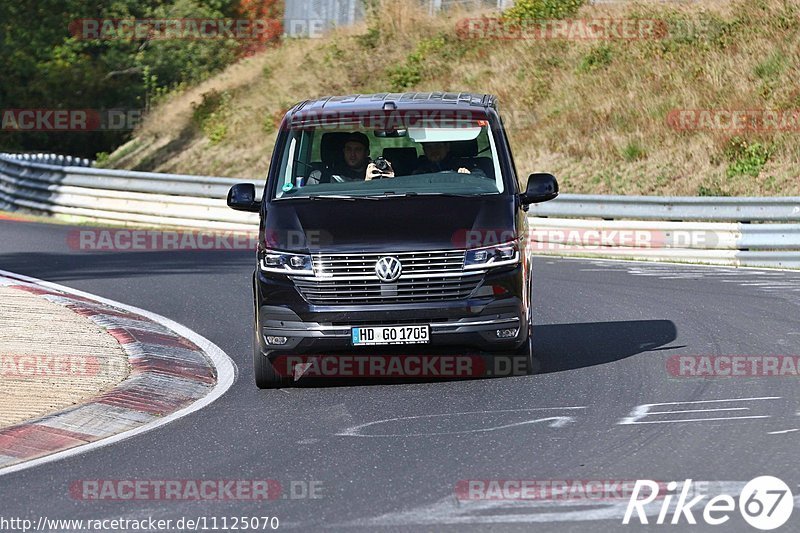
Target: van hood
(389,224)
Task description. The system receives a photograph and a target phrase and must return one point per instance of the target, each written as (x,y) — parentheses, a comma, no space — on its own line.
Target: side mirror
(541,188)
(242,197)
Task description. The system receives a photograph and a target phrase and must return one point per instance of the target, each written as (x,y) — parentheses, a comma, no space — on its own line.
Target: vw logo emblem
(388,269)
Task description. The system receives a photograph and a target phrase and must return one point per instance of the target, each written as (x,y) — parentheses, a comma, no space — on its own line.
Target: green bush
(369,40)
(747,159)
(48,64)
(404,76)
(408,74)
(211,113)
(101,160)
(597,57)
(186,60)
(711,190)
(633,151)
(543,9)
(771,67)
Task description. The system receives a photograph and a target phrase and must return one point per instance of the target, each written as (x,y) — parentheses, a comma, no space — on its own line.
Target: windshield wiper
(328,197)
(453,194)
(391,194)
(338,197)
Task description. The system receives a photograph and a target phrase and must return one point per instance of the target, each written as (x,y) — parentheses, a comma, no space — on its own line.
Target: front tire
(525,351)
(532,365)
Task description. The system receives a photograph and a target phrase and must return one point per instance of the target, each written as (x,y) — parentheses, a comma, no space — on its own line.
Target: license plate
(391,335)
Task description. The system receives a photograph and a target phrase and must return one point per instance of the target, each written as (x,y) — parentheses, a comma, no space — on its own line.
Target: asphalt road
(604,332)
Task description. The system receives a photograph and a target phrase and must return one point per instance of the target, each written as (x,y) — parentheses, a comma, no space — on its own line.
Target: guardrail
(55,185)
(725,231)
(678,208)
(759,232)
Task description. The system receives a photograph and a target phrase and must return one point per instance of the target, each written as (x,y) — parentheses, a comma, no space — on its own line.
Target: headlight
(492,256)
(286,263)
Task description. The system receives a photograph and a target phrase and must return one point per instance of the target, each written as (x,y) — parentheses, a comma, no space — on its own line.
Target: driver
(437,158)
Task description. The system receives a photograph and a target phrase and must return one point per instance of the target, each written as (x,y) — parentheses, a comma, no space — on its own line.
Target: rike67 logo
(765,503)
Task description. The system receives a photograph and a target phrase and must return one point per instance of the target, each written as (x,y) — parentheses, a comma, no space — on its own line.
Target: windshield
(349,160)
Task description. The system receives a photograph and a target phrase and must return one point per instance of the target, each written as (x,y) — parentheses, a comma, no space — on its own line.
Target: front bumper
(467,323)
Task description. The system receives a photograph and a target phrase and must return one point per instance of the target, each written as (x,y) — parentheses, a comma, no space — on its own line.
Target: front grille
(364,264)
(351,278)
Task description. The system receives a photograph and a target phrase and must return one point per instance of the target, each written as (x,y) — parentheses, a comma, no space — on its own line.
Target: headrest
(464,148)
(331,146)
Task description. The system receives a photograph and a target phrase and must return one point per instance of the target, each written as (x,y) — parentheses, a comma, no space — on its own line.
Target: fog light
(507,333)
(276,340)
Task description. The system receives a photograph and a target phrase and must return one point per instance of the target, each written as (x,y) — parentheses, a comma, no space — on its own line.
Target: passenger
(437,158)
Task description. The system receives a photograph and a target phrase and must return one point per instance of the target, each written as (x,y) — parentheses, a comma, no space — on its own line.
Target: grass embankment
(595,113)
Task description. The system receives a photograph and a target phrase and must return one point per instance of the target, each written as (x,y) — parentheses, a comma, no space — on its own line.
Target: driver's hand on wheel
(374,173)
(463,170)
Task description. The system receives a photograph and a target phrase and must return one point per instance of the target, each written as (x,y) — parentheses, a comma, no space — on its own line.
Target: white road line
(755,283)
(726,400)
(642,411)
(225,367)
(554,422)
(782,432)
(673,264)
(649,413)
(696,420)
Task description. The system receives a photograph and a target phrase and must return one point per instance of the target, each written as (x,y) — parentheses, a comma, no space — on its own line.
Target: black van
(391,219)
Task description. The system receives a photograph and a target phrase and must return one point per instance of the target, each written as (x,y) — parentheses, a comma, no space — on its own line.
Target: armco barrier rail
(758,232)
(118,196)
(725,231)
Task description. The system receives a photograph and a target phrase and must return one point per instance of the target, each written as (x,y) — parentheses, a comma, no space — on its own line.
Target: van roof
(370,102)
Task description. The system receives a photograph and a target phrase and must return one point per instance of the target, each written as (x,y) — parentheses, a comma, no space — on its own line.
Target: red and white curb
(174,372)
